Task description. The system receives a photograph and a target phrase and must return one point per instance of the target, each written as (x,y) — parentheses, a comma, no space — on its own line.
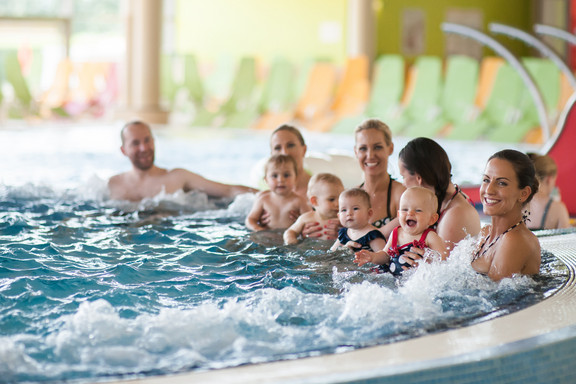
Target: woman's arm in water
(314,229)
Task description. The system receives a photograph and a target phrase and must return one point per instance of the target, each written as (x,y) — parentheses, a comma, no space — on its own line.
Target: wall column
(361,29)
(143,50)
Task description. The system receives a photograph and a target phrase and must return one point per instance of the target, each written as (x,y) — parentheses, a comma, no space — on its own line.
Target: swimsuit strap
(478,254)
(456,192)
(448,204)
(393,248)
(389,195)
(545,214)
(460,191)
(425,234)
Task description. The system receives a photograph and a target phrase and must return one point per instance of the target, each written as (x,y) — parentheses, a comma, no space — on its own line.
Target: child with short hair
(418,211)
(323,192)
(355,214)
(280,199)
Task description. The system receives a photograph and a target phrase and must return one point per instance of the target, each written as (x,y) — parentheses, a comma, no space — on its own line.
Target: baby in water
(280,199)
(355,213)
(323,192)
(417,213)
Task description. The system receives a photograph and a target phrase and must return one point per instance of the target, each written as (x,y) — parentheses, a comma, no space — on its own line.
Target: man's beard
(143,164)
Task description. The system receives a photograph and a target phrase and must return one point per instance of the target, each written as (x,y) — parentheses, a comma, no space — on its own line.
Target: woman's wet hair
(425,157)
(378,125)
(523,167)
(292,129)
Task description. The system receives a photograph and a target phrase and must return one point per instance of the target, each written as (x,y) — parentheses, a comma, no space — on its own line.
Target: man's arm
(193,181)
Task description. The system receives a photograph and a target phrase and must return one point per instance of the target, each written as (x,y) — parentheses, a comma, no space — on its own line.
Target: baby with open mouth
(417,213)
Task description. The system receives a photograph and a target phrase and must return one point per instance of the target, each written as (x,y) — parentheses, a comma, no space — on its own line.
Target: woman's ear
(524,194)
(419,179)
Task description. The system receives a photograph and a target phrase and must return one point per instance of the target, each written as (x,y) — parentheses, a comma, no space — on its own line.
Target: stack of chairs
(457,98)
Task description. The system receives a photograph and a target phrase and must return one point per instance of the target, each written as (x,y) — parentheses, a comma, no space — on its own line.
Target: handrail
(539,45)
(560,126)
(513,61)
(555,32)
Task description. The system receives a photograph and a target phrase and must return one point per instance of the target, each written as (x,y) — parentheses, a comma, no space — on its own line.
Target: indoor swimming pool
(99,290)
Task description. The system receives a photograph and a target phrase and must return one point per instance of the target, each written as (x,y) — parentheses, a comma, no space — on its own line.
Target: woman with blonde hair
(546,212)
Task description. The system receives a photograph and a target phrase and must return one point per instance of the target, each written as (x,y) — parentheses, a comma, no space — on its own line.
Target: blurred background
(256,63)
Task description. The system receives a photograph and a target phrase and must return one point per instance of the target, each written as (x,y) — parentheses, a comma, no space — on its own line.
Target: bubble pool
(93,289)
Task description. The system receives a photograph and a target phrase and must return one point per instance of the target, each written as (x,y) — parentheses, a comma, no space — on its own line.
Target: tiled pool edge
(537,344)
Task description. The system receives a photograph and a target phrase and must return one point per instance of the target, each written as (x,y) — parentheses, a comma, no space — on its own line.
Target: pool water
(92,289)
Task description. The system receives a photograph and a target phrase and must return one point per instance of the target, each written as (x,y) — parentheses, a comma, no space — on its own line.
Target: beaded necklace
(479,255)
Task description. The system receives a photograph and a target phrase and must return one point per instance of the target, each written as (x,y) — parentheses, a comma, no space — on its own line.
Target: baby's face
(354,212)
(416,212)
(327,200)
(281,178)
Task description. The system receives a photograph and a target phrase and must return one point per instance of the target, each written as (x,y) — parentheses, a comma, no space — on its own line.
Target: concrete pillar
(361,29)
(143,40)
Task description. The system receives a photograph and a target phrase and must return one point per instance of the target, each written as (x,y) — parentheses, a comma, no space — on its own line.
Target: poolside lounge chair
(218,86)
(385,95)
(351,95)
(421,98)
(315,101)
(498,88)
(24,105)
(275,98)
(192,80)
(54,98)
(457,98)
(546,76)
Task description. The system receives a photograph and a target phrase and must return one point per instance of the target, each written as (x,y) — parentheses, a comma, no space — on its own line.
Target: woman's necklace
(479,255)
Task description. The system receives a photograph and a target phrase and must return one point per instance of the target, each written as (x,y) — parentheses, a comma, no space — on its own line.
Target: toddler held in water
(323,192)
(418,211)
(355,214)
(280,199)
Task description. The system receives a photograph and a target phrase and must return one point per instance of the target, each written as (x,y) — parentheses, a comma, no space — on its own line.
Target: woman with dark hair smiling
(507,247)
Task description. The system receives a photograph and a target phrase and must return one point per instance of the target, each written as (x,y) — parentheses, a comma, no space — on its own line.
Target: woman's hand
(331,229)
(264,219)
(413,257)
(314,229)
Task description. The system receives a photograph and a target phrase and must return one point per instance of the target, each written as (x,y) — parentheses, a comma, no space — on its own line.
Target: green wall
(306,29)
(516,13)
(296,29)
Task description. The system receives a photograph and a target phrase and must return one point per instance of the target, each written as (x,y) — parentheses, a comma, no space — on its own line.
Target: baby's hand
(363,256)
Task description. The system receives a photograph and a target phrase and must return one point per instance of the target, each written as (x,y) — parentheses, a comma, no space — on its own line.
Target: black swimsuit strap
(545,213)
(389,195)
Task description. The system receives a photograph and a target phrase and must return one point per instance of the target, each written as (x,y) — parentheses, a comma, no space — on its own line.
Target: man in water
(146,180)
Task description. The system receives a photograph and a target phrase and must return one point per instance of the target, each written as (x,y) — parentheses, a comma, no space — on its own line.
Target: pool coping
(550,321)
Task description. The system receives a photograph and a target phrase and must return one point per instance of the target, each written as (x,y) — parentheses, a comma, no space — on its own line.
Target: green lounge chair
(385,96)
(423,104)
(546,76)
(24,103)
(501,106)
(277,96)
(241,95)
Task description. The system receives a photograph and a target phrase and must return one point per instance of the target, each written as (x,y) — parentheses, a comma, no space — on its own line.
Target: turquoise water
(92,289)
